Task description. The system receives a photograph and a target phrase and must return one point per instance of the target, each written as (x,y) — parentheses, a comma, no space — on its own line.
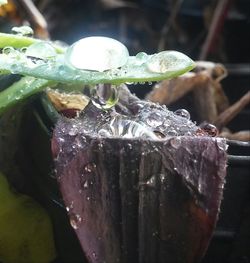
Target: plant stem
(17,41)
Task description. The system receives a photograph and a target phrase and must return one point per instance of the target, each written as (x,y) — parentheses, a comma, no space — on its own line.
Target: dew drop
(142,56)
(23,31)
(23,49)
(129,145)
(222,145)
(104,133)
(8,50)
(94,255)
(61,70)
(86,184)
(89,168)
(151,182)
(75,220)
(97,53)
(42,50)
(209,128)
(13,69)
(166,61)
(154,119)
(175,142)
(105,96)
(172,132)
(183,113)
(158,64)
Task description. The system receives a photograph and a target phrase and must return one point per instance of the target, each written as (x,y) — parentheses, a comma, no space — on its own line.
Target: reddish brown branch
(225,117)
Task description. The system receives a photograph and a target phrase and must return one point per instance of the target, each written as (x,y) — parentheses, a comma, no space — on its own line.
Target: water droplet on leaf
(166,61)
(23,31)
(175,142)
(183,113)
(154,119)
(97,53)
(42,50)
(209,128)
(75,220)
(105,96)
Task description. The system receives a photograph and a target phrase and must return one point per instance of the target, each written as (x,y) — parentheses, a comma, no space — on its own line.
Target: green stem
(21,90)
(17,41)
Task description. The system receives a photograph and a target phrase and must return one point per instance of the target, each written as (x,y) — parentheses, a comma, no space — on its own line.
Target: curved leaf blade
(21,90)
(164,65)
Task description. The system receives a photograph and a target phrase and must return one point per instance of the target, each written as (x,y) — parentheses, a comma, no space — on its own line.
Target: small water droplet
(163,177)
(104,133)
(209,128)
(8,50)
(158,64)
(183,113)
(71,205)
(62,70)
(151,182)
(14,68)
(154,119)
(94,255)
(75,220)
(89,168)
(105,96)
(166,61)
(222,144)
(172,132)
(129,145)
(86,184)
(42,50)
(175,142)
(23,49)
(142,56)
(23,31)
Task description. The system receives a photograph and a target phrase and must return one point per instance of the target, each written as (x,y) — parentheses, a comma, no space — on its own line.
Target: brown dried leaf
(64,101)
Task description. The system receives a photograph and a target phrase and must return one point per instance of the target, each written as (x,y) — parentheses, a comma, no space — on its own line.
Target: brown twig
(225,117)
(168,24)
(220,14)
(35,18)
(239,136)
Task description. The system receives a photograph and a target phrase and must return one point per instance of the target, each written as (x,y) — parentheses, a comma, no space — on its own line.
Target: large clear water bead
(97,54)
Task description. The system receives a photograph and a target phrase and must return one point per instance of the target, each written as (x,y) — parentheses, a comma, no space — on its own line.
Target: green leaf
(164,65)
(51,64)
(19,41)
(21,90)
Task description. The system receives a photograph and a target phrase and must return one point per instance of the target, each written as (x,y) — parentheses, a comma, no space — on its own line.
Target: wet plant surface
(135,196)
(122,164)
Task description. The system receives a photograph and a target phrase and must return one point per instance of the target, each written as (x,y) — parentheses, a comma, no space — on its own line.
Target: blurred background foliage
(142,25)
